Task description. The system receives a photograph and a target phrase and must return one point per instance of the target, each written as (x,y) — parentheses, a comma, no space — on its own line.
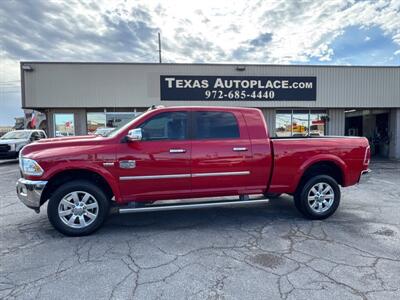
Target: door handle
(177,150)
(239,149)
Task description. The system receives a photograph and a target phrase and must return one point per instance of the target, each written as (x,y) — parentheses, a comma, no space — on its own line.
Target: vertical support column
(80,122)
(394,133)
(336,121)
(50,123)
(270,116)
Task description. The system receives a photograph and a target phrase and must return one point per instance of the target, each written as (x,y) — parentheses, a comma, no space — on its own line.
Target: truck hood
(69,138)
(13,141)
(65,147)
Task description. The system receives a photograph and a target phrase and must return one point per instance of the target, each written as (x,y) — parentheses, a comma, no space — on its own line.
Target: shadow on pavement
(281,208)
(8,161)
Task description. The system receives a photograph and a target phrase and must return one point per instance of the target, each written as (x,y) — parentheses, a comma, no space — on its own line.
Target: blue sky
(333,32)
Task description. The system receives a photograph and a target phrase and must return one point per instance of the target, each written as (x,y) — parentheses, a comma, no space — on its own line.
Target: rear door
(158,166)
(221,152)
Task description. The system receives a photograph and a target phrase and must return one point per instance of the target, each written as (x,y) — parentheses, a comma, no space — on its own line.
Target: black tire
(297,203)
(301,197)
(70,187)
(272,195)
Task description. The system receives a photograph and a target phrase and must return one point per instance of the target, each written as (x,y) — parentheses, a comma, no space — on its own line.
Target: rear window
(215,125)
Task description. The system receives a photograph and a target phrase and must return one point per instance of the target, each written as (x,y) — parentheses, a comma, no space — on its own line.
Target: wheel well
(69,175)
(323,168)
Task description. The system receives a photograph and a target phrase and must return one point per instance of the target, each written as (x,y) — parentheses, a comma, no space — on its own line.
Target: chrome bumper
(364,176)
(30,192)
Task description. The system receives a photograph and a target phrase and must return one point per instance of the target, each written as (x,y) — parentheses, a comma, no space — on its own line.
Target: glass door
(64,125)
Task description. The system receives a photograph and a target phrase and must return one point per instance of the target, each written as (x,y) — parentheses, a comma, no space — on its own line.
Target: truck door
(158,165)
(221,152)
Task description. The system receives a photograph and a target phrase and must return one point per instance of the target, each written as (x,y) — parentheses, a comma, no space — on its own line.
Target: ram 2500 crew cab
(185,152)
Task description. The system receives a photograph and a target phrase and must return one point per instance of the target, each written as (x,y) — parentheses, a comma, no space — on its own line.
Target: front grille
(4,148)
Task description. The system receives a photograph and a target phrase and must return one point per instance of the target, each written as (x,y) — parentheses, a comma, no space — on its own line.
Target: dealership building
(296,100)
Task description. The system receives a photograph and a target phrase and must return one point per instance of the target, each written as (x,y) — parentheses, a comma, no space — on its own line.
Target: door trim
(240,173)
(123,178)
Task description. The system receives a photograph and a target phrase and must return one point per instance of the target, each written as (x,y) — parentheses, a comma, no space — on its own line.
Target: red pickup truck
(185,152)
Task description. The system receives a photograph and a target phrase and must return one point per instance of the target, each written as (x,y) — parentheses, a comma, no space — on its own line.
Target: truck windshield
(120,127)
(14,135)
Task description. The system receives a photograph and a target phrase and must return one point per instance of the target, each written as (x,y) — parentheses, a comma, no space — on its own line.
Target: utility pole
(159,47)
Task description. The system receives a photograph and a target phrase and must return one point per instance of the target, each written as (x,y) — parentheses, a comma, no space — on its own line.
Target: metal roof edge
(205,64)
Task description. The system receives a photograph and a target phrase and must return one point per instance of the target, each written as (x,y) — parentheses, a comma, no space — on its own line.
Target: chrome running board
(166,207)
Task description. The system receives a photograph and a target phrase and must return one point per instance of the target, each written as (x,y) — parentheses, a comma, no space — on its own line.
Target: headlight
(30,167)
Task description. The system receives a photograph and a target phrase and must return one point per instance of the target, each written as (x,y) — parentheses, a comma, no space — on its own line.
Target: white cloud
(198,31)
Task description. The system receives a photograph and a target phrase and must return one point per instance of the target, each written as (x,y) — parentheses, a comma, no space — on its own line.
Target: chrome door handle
(239,149)
(177,150)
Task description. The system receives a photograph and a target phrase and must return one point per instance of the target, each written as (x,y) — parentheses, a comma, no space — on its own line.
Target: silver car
(12,142)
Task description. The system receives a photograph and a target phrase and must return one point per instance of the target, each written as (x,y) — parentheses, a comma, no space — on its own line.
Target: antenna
(159,47)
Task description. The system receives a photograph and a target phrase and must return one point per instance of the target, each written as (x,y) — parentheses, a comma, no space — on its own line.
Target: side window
(35,136)
(216,125)
(166,126)
(41,134)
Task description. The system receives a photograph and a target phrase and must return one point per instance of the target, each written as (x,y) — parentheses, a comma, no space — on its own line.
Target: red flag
(33,120)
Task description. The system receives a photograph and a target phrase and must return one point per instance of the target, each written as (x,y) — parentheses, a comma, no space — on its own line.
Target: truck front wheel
(318,198)
(77,208)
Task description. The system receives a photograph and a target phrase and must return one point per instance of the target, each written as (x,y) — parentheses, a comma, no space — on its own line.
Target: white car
(12,142)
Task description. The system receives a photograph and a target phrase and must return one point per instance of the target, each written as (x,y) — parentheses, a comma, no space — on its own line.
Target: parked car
(185,152)
(13,141)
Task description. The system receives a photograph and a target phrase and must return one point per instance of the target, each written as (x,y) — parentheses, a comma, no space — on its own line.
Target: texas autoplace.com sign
(237,88)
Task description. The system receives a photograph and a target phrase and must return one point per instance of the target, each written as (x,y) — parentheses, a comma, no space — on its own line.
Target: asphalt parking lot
(262,252)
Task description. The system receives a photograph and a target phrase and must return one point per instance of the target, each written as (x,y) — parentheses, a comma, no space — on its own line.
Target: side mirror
(134,134)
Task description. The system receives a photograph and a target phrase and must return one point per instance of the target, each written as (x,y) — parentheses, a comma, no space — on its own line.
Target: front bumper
(9,154)
(30,192)
(364,176)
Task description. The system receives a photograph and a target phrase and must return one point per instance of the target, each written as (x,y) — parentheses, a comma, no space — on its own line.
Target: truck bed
(292,155)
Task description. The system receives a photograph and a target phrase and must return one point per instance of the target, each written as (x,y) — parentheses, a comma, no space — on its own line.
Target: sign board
(237,88)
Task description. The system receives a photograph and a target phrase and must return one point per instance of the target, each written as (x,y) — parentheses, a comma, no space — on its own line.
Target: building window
(283,123)
(118,119)
(298,123)
(318,121)
(95,121)
(104,122)
(64,125)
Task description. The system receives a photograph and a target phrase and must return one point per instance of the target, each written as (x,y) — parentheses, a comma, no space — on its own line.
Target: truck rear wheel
(77,208)
(318,198)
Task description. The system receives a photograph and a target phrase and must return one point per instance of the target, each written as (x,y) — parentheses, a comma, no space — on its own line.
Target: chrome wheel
(78,209)
(321,197)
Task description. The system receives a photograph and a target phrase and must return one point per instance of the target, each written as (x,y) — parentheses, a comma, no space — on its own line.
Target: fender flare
(319,159)
(105,174)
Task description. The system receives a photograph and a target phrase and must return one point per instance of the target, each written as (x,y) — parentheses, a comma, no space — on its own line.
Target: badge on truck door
(127,164)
